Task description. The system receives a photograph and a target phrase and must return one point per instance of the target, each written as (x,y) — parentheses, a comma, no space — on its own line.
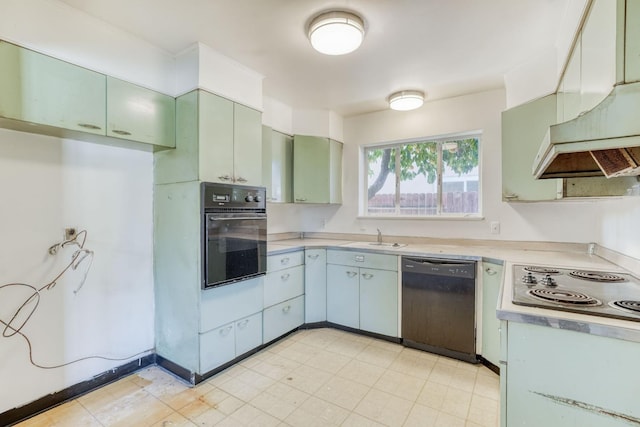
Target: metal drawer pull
(367,275)
(359,258)
(284,261)
(314,256)
(241,179)
(490,271)
(225,331)
(286,309)
(121,132)
(285,276)
(243,323)
(351,273)
(89,126)
(225,178)
(301,199)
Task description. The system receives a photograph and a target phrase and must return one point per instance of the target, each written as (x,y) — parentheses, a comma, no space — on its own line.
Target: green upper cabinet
(277,165)
(523,128)
(39,89)
(217,140)
(140,114)
(317,170)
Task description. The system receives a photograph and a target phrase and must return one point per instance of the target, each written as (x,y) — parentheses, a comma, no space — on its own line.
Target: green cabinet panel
(560,377)
(491,282)
(140,114)
(277,165)
(523,129)
(343,295)
(379,301)
(215,138)
(247,145)
(39,89)
(282,318)
(317,170)
(315,285)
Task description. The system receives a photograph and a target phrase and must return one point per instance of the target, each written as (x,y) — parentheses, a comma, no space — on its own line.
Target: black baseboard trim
(13,416)
(465,357)
(361,332)
(489,365)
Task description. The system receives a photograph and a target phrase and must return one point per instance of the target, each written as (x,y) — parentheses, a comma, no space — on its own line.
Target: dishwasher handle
(439,267)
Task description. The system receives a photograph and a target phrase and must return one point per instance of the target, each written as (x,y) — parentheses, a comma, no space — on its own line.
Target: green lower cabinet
(40,89)
(139,114)
(379,301)
(315,285)
(491,282)
(559,377)
(317,170)
(283,317)
(343,295)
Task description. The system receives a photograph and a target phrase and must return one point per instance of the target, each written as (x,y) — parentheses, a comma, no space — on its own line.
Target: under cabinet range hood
(604,141)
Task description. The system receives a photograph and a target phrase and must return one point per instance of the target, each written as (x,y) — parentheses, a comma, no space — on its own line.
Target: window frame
(439,140)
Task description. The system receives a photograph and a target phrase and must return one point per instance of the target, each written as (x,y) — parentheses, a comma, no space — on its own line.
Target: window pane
(460,176)
(418,183)
(381,181)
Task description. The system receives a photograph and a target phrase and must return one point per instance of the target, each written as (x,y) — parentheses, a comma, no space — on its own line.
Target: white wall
(48,184)
(556,221)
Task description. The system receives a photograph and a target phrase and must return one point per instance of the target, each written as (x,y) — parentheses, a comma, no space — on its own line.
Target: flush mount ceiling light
(336,32)
(406,100)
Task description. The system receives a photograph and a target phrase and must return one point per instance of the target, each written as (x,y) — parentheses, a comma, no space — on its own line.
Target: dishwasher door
(438,306)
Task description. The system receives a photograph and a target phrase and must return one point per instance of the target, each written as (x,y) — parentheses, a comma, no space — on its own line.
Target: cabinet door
(491,282)
(224,304)
(247,145)
(311,160)
(266,160)
(523,129)
(335,171)
(217,347)
(283,285)
(343,295)
(315,285)
(278,160)
(44,90)
(282,318)
(248,333)
(379,301)
(215,139)
(140,114)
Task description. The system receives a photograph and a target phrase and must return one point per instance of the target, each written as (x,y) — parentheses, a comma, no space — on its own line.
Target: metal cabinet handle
(241,179)
(511,196)
(225,178)
(243,323)
(286,309)
(225,331)
(89,126)
(121,132)
(359,258)
(284,261)
(285,277)
(367,275)
(314,256)
(301,199)
(490,271)
(351,273)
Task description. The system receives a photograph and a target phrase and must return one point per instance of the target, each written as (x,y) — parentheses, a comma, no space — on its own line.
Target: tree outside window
(423,178)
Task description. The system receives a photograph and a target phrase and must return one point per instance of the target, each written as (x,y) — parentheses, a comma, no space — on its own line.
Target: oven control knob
(258,198)
(549,281)
(249,198)
(529,279)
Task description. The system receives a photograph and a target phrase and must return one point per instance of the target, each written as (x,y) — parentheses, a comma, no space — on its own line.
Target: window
(437,177)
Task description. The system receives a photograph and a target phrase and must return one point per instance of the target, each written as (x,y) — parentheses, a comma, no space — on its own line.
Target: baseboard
(47,402)
(489,365)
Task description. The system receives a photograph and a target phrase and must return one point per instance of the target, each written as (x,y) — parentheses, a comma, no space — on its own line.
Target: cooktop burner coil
(563,296)
(541,270)
(626,305)
(596,276)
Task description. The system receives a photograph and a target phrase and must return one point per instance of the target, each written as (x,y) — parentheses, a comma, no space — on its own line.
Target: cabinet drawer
(217,347)
(224,304)
(248,333)
(282,261)
(283,285)
(282,318)
(363,259)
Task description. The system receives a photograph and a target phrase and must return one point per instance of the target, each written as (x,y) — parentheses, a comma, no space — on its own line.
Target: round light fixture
(336,32)
(406,100)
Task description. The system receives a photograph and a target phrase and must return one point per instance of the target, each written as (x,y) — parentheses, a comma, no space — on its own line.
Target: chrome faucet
(379,236)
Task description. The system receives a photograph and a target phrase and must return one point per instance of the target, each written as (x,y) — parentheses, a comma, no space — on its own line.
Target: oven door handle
(235,218)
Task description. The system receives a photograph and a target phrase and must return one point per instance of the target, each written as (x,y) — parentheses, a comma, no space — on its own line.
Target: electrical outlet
(495,227)
(70,233)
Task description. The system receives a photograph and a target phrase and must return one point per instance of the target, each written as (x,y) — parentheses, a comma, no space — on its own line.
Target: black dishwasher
(438,306)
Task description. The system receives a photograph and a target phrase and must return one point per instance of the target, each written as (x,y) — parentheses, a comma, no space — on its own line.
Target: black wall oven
(234,233)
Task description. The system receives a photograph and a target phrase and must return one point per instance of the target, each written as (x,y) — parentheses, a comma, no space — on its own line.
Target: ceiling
(444,47)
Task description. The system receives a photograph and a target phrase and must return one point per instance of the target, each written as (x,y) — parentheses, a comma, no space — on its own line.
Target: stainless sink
(388,245)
